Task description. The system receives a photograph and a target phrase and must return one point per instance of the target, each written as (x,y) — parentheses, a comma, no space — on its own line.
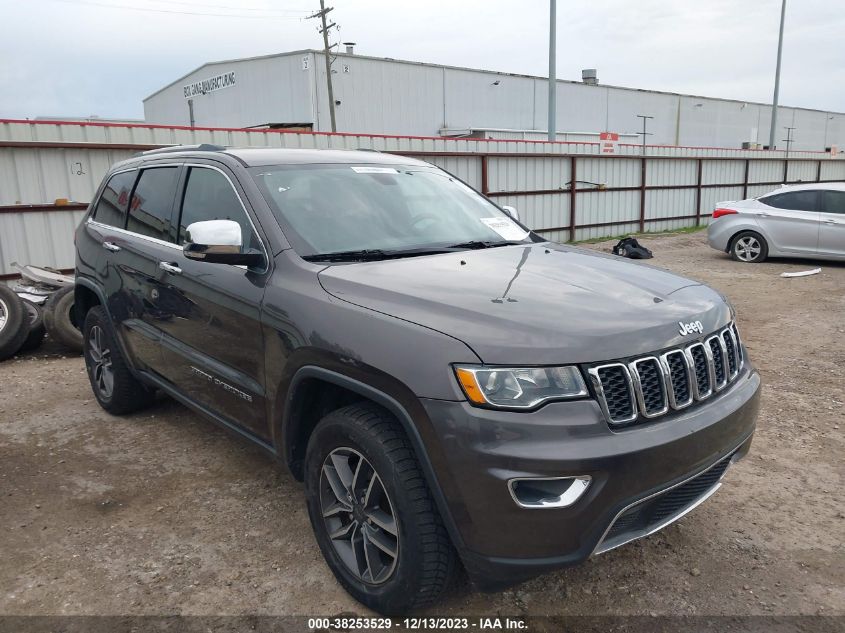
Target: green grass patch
(680,231)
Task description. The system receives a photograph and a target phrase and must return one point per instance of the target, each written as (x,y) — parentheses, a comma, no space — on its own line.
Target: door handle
(110,246)
(830,222)
(763,214)
(173,269)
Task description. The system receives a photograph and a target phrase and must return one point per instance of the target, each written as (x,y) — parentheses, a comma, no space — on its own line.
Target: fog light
(552,492)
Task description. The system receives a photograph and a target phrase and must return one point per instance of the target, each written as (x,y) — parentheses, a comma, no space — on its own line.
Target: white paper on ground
(506,228)
(803,273)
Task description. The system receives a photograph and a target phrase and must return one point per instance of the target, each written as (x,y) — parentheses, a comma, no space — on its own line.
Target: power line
(178,12)
(203,5)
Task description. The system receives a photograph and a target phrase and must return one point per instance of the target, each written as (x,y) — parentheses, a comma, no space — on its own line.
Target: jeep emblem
(689,328)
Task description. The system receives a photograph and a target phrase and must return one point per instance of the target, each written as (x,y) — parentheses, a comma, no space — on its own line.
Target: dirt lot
(162,513)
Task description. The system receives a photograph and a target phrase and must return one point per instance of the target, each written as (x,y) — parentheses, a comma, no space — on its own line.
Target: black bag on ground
(632,249)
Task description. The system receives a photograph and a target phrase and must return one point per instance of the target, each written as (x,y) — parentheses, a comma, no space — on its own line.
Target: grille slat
(701,367)
(733,366)
(652,392)
(718,361)
(649,387)
(679,377)
(616,389)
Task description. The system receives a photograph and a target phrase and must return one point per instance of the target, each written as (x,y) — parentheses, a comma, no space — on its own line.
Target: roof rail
(202,147)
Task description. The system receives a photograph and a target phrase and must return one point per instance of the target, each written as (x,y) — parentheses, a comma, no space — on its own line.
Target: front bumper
(502,543)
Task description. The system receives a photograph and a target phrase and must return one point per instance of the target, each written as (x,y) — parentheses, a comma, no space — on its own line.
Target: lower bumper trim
(655,512)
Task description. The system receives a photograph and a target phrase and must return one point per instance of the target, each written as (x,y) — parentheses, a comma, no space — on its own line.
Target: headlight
(517,387)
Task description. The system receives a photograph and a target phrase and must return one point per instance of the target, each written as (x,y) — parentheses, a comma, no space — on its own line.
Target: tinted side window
(834,202)
(209,196)
(149,211)
(794,200)
(111,207)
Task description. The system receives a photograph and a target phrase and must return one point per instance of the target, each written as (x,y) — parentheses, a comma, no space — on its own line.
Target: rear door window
(152,203)
(833,202)
(794,200)
(113,202)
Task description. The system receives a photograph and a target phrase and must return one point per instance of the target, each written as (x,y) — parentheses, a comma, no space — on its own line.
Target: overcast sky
(83,57)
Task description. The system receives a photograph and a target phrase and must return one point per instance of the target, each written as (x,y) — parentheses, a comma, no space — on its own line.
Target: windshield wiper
(376,254)
(477,244)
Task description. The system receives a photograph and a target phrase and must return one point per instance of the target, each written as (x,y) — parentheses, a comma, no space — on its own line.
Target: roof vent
(589,76)
(350,48)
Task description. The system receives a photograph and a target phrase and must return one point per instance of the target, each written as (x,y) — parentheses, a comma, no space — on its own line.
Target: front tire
(372,512)
(749,247)
(113,384)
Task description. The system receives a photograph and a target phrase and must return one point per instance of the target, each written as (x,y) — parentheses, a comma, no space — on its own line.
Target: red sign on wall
(608,141)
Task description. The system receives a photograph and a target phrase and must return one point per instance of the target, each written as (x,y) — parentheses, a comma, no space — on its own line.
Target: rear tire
(14,322)
(369,441)
(60,319)
(113,384)
(749,247)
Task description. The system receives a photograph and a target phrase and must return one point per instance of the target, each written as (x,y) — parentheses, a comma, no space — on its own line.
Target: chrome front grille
(651,386)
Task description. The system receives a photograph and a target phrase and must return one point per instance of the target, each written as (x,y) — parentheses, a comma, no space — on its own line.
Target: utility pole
(327,51)
(777,80)
(645,119)
(788,140)
(552,69)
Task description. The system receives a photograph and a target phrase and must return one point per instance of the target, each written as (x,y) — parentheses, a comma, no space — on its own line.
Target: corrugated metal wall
(393,96)
(41,162)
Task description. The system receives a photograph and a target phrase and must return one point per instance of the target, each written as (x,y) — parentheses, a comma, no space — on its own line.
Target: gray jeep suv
(451,388)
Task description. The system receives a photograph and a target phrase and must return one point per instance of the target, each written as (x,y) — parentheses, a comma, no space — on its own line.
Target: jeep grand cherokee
(452,388)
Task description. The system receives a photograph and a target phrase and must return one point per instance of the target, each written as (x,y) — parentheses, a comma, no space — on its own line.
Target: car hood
(534,304)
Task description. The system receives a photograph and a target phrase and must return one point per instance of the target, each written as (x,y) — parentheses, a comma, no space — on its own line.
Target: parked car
(452,388)
(792,221)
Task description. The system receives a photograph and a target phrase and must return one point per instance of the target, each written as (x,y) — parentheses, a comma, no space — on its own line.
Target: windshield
(339,209)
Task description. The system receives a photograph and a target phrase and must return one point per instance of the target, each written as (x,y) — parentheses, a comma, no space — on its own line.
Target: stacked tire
(60,319)
(24,324)
(14,322)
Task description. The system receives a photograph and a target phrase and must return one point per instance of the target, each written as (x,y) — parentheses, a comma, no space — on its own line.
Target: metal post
(745,179)
(788,140)
(642,192)
(191,112)
(552,70)
(698,183)
(573,186)
(777,79)
(645,119)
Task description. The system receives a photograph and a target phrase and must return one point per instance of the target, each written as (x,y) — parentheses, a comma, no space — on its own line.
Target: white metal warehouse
(388,96)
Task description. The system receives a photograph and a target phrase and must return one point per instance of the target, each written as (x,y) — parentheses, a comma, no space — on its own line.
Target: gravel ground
(162,513)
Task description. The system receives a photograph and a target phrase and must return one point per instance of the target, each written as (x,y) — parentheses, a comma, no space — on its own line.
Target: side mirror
(218,242)
(511,211)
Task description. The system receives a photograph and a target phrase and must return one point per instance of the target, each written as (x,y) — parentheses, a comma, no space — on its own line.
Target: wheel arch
(298,425)
(746,228)
(86,295)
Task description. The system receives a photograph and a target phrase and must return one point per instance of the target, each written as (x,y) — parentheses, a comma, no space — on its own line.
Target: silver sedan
(792,221)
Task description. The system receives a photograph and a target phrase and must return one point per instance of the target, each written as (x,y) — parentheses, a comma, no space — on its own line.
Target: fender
(401,414)
(101,296)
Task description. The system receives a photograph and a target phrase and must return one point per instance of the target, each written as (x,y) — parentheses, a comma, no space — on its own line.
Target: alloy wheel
(4,314)
(358,516)
(747,248)
(102,372)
